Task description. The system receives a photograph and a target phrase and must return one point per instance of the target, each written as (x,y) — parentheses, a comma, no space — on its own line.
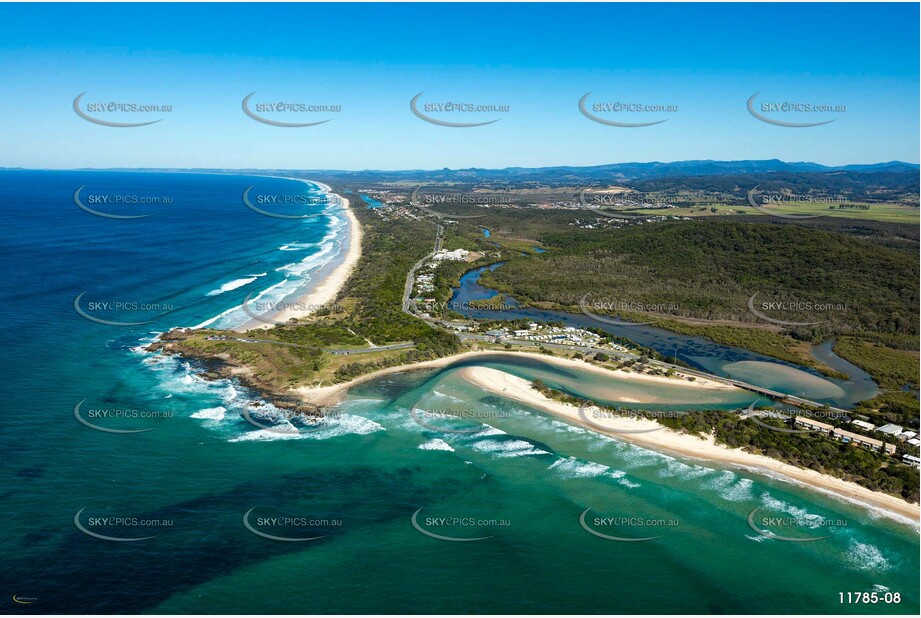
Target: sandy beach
(331,283)
(329,395)
(668,441)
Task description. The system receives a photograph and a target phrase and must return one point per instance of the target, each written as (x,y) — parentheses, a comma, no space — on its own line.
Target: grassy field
(282,366)
(890,213)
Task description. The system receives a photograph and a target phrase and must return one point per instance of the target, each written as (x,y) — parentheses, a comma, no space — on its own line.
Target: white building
(890,429)
(458,255)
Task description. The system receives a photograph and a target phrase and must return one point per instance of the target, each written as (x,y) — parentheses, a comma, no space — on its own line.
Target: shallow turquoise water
(520,477)
(697,352)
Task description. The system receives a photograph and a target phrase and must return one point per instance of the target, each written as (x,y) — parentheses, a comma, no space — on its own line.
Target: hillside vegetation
(710,269)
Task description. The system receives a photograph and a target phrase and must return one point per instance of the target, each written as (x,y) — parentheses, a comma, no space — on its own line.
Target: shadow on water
(209,541)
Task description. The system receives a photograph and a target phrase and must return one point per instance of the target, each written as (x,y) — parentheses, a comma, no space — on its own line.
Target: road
(411,276)
(407,292)
(336,351)
(772,394)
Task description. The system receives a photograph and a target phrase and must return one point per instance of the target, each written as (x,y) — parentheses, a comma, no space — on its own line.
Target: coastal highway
(410,278)
(772,394)
(407,292)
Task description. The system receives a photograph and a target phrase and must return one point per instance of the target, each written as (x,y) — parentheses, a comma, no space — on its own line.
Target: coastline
(686,445)
(662,439)
(329,286)
(331,395)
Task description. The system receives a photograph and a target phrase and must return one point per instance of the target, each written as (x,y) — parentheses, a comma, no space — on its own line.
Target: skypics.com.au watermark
(467,306)
(630,200)
(102,204)
(91,415)
(289,528)
(282,311)
(800,528)
(456,528)
(771,111)
(605,112)
(611,203)
(273,113)
(290,422)
(590,306)
(617,420)
(798,421)
(455,110)
(775,310)
(120,529)
(446,420)
(93,111)
(626,529)
(425,201)
(773,203)
(120,308)
(316,205)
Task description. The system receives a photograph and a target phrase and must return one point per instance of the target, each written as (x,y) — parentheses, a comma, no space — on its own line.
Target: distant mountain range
(612,172)
(626,171)
(633,171)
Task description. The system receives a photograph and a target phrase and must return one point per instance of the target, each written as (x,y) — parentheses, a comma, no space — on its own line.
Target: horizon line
(460,169)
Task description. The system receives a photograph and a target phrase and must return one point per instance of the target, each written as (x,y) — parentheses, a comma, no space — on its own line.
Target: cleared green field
(892,213)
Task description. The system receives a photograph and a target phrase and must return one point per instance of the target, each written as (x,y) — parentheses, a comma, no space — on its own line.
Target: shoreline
(331,395)
(687,445)
(329,285)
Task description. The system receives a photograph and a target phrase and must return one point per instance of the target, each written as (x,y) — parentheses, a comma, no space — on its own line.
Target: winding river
(700,353)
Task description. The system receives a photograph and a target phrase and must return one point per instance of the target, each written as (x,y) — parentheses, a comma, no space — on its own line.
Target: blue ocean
(199,511)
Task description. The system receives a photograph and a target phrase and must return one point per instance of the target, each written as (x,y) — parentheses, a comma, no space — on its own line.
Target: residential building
(871,444)
(848,437)
(890,429)
(808,423)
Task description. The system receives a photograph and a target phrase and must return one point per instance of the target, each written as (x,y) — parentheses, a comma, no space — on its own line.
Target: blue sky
(538,59)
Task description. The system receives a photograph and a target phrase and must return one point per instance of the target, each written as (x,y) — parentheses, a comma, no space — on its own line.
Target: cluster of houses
(602,223)
(458,255)
(872,444)
(425,282)
(563,335)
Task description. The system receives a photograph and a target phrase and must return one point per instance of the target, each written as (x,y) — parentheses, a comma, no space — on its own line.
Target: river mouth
(697,352)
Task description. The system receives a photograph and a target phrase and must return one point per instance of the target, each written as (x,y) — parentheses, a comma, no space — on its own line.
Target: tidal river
(697,352)
(369,512)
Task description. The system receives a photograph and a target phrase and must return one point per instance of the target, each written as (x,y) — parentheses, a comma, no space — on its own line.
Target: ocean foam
(802,516)
(508,448)
(211,414)
(265,435)
(621,477)
(866,557)
(730,487)
(575,468)
(683,471)
(296,274)
(436,444)
(490,431)
(232,285)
